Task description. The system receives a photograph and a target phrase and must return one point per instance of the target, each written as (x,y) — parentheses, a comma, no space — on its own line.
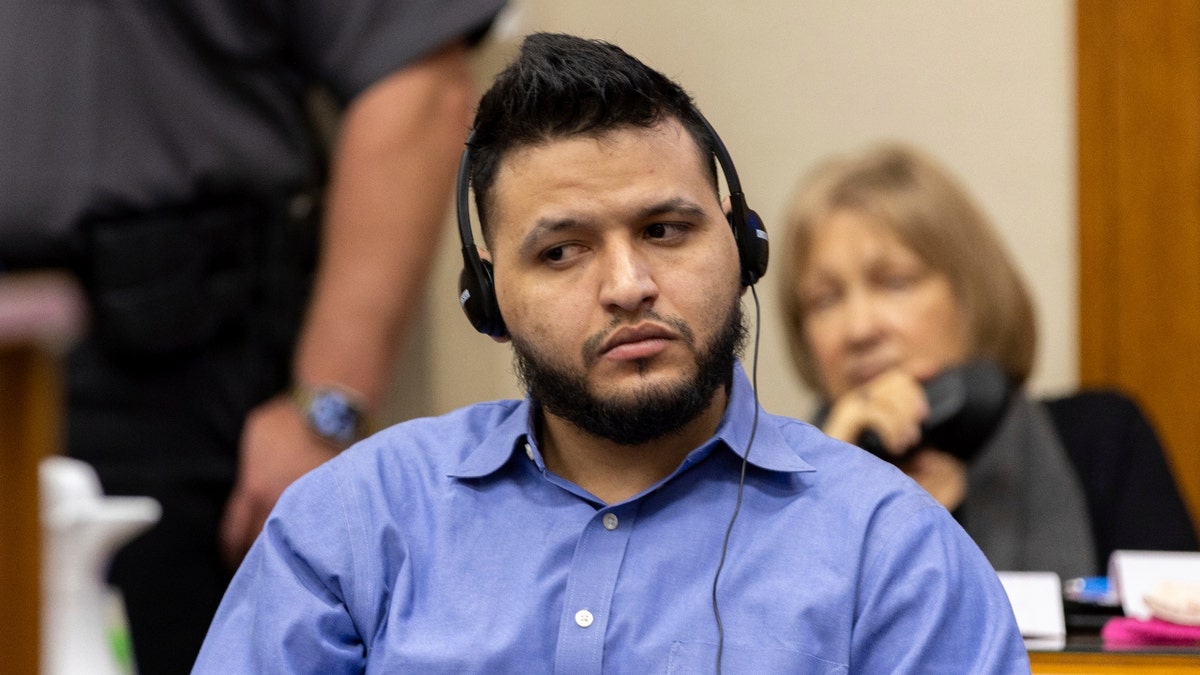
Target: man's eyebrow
(673,205)
(543,228)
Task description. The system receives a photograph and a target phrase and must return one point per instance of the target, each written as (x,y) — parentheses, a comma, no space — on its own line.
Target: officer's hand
(276,449)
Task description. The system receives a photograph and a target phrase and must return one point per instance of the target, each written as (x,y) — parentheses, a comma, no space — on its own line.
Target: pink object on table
(1128,632)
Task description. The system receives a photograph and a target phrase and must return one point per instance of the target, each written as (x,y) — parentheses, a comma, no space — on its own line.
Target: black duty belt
(172,280)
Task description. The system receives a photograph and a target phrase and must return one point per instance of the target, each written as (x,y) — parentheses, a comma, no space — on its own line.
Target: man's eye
(664,230)
(562,253)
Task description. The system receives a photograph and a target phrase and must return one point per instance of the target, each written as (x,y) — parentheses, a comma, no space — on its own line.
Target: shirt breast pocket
(690,658)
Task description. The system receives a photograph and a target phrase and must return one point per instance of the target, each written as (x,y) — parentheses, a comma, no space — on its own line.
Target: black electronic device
(476,288)
(966,405)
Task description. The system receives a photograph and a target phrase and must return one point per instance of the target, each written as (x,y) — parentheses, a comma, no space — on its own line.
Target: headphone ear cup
(760,245)
(477,295)
(754,248)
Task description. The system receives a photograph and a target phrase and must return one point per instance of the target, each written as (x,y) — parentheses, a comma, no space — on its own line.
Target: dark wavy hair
(561,86)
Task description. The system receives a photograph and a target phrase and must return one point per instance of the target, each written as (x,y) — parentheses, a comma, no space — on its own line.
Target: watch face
(333,416)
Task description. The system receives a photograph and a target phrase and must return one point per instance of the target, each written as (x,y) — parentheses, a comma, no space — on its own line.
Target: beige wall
(986,86)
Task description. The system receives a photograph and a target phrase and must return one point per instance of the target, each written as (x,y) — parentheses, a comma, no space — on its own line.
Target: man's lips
(636,342)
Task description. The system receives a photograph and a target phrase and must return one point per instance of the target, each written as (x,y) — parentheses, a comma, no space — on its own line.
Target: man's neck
(614,472)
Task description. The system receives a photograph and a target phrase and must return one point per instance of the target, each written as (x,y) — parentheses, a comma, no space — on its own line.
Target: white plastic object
(81,531)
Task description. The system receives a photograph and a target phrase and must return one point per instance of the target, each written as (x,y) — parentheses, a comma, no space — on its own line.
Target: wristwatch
(331,413)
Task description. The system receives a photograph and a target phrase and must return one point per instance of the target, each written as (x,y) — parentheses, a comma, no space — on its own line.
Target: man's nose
(627,280)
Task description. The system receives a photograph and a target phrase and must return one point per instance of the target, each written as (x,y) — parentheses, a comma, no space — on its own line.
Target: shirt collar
(769,450)
(499,444)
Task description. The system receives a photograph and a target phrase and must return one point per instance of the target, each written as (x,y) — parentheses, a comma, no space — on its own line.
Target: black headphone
(477,291)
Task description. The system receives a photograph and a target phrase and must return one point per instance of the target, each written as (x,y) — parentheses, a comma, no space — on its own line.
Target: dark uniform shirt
(112,107)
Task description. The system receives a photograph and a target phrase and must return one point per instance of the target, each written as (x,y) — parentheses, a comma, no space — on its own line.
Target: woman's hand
(892,404)
(943,475)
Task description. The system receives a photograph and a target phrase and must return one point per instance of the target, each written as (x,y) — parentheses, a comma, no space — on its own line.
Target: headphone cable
(741,480)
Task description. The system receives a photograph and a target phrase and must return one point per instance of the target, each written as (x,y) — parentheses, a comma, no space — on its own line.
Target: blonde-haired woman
(893,276)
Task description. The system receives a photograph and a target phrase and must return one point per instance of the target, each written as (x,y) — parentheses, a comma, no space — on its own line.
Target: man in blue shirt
(637,512)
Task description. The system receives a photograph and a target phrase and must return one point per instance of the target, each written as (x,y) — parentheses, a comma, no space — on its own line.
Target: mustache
(592,345)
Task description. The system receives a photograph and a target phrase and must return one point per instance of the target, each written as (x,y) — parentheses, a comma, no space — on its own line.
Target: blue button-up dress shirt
(444,545)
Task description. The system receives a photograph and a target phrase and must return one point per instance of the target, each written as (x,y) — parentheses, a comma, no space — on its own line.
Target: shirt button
(529,451)
(583,618)
(610,521)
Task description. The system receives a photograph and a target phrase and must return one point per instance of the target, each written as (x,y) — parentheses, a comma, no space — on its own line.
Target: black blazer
(1132,498)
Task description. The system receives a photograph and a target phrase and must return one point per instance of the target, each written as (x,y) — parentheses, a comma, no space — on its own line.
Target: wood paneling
(1139,210)
(28,419)
(1103,663)
(40,315)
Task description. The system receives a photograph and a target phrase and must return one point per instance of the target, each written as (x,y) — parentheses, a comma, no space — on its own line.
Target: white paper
(1137,573)
(1036,599)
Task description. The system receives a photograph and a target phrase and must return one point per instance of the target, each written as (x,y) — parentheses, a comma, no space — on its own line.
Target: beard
(650,412)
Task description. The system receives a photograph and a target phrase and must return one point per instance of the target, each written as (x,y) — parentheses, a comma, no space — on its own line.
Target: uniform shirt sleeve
(929,602)
(287,613)
(351,45)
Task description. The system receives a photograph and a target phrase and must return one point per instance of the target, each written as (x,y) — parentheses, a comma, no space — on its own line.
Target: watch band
(332,413)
